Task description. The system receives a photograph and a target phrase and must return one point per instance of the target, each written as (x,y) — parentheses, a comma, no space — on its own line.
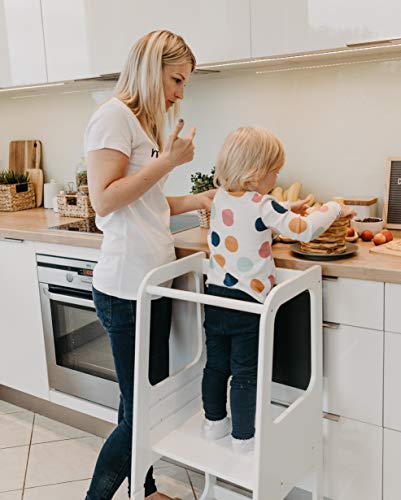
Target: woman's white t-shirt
(136,238)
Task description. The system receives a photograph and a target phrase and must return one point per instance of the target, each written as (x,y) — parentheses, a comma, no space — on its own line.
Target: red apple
(379,239)
(350,232)
(367,235)
(388,234)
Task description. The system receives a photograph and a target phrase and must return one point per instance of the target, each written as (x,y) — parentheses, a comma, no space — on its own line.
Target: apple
(388,234)
(379,239)
(350,232)
(367,235)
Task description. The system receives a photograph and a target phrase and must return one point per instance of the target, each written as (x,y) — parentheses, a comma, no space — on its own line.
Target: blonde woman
(128,163)
(241,266)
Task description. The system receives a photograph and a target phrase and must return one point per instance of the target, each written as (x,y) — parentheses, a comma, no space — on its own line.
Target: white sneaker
(243,445)
(216,429)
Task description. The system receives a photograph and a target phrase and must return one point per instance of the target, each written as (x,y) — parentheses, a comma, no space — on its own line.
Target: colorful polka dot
(259,225)
(265,250)
(231,244)
(228,217)
(215,239)
(278,208)
(257,286)
(257,198)
(272,280)
(237,194)
(230,280)
(244,264)
(297,225)
(221,261)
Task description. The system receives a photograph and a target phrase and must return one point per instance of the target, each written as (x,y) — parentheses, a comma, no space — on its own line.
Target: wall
(338,124)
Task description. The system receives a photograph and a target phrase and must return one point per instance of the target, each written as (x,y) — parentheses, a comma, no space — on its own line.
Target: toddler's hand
(347,212)
(300,207)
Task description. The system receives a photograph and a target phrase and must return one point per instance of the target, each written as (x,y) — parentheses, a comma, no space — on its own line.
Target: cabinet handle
(12,240)
(332,326)
(331,416)
(329,278)
(388,41)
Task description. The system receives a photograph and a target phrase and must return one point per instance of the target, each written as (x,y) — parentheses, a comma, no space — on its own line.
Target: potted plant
(16,192)
(203,182)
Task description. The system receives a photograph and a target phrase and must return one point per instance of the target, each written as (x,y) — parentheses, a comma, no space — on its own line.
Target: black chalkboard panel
(392,202)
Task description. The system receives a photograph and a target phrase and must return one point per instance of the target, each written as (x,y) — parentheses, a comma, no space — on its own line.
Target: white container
(363,206)
(50,190)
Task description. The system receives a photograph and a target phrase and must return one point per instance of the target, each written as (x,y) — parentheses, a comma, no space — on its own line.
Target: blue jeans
(232,342)
(118,319)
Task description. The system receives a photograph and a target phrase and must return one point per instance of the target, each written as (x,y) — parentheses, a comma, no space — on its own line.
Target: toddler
(241,266)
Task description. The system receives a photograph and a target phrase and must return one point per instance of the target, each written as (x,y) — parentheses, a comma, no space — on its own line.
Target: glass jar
(81,175)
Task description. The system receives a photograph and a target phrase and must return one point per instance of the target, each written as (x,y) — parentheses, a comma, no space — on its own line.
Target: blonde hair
(247,154)
(140,85)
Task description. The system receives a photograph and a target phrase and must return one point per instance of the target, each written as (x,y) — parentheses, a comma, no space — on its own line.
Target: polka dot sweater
(240,238)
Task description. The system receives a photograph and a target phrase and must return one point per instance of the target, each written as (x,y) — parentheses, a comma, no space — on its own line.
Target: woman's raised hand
(180,150)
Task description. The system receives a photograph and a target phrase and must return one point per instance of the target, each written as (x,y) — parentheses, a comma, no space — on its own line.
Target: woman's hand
(179,150)
(300,207)
(205,199)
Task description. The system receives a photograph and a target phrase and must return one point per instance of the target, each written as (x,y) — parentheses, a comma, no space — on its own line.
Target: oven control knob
(69,277)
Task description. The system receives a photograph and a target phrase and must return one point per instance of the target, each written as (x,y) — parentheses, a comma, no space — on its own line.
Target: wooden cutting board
(24,155)
(36,177)
(382,249)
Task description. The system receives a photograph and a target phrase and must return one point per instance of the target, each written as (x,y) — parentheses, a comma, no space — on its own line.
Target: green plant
(11,177)
(202,182)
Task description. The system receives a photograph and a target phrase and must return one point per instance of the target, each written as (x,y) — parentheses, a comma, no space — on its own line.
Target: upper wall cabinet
(290,26)
(22,55)
(87,38)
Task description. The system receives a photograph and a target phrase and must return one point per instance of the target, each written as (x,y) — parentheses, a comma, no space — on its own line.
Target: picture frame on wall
(392,196)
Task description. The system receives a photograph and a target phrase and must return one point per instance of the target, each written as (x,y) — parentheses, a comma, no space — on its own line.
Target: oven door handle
(68,299)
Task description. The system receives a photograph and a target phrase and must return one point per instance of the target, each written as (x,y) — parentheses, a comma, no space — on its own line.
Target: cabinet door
(392,316)
(353,302)
(392,465)
(392,377)
(22,353)
(291,26)
(353,373)
(22,56)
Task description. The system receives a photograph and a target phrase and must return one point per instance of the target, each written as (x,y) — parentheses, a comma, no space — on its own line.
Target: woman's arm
(182,204)
(110,190)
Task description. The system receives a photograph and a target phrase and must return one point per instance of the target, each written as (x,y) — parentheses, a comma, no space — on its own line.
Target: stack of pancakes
(331,242)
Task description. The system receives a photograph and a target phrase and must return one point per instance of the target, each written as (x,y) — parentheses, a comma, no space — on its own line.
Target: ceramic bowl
(374,224)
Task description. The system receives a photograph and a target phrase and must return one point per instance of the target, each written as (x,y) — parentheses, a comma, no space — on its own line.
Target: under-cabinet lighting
(11,89)
(298,56)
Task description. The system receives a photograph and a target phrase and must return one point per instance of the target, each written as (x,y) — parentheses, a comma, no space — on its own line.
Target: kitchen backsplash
(338,124)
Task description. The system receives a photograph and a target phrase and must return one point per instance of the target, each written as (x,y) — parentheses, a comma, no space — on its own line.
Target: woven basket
(75,205)
(204,218)
(15,197)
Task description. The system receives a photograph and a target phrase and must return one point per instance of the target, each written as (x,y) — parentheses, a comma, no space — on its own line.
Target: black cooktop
(177,223)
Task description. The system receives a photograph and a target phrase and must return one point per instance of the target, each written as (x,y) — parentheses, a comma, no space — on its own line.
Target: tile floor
(41,459)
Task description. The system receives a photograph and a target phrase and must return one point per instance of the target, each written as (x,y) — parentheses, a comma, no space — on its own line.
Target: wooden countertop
(33,225)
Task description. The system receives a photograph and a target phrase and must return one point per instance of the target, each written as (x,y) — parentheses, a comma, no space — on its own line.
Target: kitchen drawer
(392,302)
(391,465)
(353,302)
(392,378)
(352,461)
(353,373)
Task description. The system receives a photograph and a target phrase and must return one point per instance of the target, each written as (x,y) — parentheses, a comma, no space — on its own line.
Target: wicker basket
(75,205)
(204,218)
(15,197)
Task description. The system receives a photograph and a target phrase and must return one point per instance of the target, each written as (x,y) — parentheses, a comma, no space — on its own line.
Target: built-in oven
(79,357)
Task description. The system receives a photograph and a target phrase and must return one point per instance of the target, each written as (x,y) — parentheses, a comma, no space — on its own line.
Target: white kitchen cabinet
(292,26)
(392,314)
(22,353)
(22,54)
(89,37)
(392,378)
(391,465)
(353,373)
(353,302)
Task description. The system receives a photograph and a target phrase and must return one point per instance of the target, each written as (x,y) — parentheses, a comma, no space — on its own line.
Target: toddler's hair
(247,154)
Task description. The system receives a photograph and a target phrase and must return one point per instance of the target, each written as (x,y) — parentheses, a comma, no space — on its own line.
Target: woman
(127,167)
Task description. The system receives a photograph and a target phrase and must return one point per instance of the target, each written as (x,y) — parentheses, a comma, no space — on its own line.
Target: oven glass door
(80,342)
